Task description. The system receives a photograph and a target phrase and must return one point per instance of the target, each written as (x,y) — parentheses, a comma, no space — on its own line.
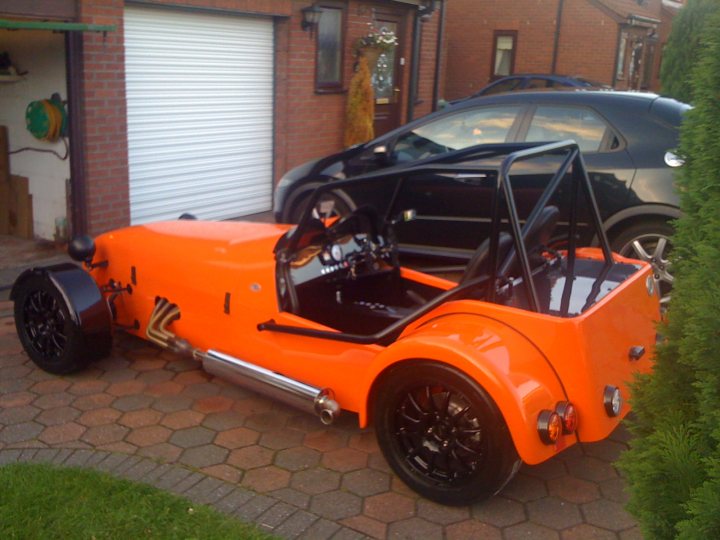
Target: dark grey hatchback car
(627,139)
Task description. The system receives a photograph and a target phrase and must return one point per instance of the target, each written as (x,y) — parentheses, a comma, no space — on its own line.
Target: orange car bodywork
(222,276)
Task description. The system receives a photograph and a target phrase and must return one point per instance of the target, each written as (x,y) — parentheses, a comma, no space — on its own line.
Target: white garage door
(200,112)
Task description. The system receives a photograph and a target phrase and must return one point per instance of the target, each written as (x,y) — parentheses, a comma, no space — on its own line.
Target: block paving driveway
(156,417)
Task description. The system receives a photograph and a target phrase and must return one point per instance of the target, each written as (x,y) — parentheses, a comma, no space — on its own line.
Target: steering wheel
(364,219)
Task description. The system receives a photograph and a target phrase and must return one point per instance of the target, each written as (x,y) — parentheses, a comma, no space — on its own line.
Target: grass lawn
(41,501)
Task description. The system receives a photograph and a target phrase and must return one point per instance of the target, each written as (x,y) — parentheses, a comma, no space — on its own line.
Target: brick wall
(307,124)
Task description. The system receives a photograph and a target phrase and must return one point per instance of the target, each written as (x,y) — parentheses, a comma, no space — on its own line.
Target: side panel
(508,366)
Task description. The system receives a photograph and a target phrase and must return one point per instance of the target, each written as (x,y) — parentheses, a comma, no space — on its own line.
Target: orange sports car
(464,374)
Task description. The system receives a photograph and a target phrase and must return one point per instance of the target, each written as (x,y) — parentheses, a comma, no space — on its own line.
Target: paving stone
(171,478)
(85,388)
(389,507)
(97,457)
(307,423)
(194,376)
(46,455)
(322,529)
(52,385)
(345,459)
(275,515)
(607,450)
(237,438)
(190,437)
(28,454)
(498,511)
(62,455)
(149,436)
(128,464)
(213,404)
(164,390)
(99,417)
(14,385)
(587,532)
(525,488)
(204,456)
(615,490)
(532,531)
(118,446)
(24,431)
(140,418)
(266,421)
(105,434)
(292,496)
(182,419)
(547,470)
(15,372)
(52,401)
(140,470)
(574,490)
(155,377)
(366,482)
(178,364)
(608,515)
(9,456)
(441,514)
(336,505)
(366,525)
(314,481)
(252,405)
(120,377)
(223,421)
(60,415)
(295,525)
(78,458)
(93,401)
(633,533)
(266,479)
(591,469)
(146,364)
(297,459)
(16,399)
(378,462)
(224,472)
(163,451)
(232,391)
(327,440)
(18,415)
(134,402)
(415,528)
(281,439)
(112,462)
(472,529)
(256,506)
(202,390)
(233,500)
(209,490)
(554,513)
(112,363)
(250,457)
(151,476)
(186,483)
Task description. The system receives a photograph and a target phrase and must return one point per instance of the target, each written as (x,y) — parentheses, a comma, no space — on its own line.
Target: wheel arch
(514,373)
(628,217)
(87,306)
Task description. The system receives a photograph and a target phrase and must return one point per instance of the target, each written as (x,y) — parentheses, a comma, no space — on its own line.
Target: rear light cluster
(562,421)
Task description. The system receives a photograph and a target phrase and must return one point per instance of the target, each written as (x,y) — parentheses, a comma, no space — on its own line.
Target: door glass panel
(383,72)
(467,128)
(560,123)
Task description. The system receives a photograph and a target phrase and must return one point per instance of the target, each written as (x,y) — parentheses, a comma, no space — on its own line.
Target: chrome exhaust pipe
(319,401)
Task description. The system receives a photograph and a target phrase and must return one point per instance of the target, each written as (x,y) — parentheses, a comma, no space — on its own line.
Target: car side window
(557,123)
(539,83)
(504,86)
(453,132)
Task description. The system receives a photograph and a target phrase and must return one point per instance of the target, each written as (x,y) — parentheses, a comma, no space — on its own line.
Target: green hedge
(673,465)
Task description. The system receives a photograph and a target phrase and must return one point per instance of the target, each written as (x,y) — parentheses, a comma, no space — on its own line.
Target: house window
(329,49)
(620,68)
(504,53)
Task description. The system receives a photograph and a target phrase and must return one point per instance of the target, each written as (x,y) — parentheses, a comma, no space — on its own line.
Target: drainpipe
(558,25)
(414,66)
(73,59)
(438,57)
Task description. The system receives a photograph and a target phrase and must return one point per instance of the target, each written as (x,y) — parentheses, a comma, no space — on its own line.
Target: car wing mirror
(381,154)
(406,215)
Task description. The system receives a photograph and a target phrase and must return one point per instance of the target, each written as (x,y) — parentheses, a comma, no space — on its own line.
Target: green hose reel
(46,119)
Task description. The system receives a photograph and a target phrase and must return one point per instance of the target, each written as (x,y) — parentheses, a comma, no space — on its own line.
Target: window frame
(338,85)
(513,34)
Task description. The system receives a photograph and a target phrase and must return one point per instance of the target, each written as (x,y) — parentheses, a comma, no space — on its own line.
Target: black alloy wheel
(442,434)
(48,334)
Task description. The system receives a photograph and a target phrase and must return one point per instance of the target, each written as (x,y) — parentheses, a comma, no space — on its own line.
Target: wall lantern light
(310,17)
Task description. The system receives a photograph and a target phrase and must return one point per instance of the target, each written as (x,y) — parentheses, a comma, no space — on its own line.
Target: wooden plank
(21,213)
(4,156)
(4,207)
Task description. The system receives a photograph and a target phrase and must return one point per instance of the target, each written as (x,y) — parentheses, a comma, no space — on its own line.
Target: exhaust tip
(326,407)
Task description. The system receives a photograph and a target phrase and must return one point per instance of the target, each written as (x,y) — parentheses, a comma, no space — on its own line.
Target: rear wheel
(650,242)
(442,434)
(46,330)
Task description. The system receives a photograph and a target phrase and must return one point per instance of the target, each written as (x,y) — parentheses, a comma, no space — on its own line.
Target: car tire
(650,242)
(52,340)
(329,206)
(442,434)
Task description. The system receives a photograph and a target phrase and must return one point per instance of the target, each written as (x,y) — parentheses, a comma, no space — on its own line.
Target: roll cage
(469,164)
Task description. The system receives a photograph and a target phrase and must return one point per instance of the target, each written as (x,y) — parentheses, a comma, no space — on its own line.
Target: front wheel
(442,434)
(46,330)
